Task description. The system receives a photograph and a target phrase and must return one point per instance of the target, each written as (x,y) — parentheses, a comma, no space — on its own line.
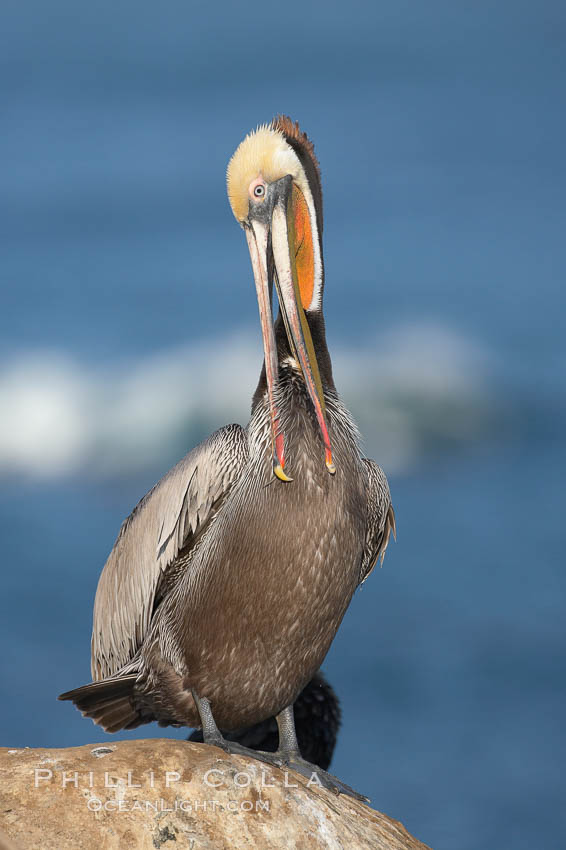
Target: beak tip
(329,462)
(278,472)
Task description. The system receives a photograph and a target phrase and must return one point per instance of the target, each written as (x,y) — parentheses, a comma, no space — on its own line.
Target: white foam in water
(415,384)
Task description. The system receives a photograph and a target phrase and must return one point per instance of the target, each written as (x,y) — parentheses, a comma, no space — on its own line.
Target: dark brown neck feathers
(318,332)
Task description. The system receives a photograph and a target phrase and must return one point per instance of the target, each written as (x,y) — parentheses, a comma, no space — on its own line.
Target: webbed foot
(287,756)
(317,776)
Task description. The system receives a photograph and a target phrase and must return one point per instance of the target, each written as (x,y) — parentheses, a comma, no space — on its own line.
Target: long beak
(298,331)
(258,240)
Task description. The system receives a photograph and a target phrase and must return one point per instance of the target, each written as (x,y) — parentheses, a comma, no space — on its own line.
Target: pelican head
(274,190)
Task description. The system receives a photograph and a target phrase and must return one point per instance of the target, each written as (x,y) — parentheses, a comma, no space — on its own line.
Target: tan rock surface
(171,794)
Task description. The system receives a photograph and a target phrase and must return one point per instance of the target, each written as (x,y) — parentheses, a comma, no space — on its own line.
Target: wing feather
(381,519)
(150,540)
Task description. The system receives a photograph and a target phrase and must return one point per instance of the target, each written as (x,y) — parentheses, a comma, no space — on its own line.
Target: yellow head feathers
(263,152)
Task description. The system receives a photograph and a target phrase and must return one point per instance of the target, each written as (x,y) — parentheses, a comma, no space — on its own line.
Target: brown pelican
(228,581)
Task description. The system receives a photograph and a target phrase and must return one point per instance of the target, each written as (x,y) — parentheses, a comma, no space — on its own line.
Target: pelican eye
(257,189)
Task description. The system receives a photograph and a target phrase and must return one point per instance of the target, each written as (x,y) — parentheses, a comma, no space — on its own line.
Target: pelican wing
(165,521)
(381,518)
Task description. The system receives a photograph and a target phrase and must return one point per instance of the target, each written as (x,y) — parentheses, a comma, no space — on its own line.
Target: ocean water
(128,331)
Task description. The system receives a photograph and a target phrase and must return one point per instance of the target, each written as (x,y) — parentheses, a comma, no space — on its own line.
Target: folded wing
(165,523)
(381,519)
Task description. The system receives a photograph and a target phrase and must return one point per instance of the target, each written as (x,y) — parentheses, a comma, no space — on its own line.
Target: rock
(7,843)
(173,794)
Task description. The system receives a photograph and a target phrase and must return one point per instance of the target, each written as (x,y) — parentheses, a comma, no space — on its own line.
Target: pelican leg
(212,735)
(210,732)
(288,744)
(290,755)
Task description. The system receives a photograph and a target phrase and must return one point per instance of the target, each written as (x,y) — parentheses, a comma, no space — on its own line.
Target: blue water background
(441,132)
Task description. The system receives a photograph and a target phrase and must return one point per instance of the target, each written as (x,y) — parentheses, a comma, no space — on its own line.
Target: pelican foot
(316,775)
(287,756)
(235,749)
